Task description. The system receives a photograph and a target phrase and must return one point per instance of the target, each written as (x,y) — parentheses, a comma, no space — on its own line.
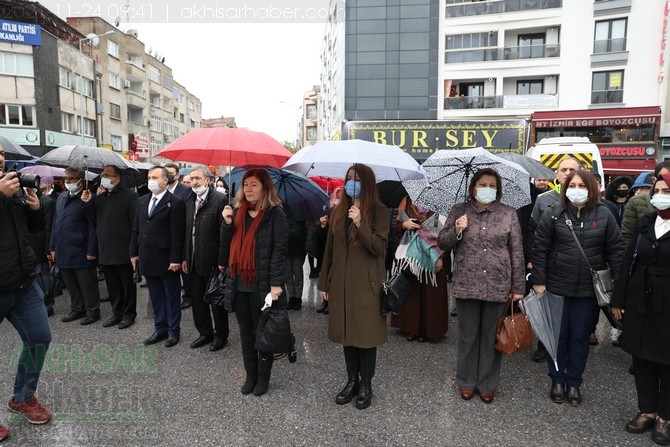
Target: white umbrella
(333,158)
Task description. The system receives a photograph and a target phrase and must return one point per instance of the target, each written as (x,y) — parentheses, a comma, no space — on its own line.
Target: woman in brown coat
(351,281)
(488,271)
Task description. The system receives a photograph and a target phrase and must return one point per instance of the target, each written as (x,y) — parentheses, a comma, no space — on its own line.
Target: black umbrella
(13,151)
(534,168)
(391,193)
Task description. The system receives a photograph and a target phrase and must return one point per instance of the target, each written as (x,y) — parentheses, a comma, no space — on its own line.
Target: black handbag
(394,295)
(215,292)
(273,333)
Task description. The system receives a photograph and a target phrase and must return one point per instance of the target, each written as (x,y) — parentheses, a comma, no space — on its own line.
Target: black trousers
(122,290)
(652,381)
(204,313)
(360,361)
(248,311)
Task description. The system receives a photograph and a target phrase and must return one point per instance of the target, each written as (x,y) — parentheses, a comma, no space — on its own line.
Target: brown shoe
(641,423)
(32,410)
(487,398)
(4,433)
(661,433)
(593,340)
(467,394)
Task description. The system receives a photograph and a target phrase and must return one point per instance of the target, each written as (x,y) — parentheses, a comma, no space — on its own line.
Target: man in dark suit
(157,248)
(184,191)
(114,211)
(201,256)
(74,247)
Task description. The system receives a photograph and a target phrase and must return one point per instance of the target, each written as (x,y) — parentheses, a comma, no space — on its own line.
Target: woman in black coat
(642,298)
(560,268)
(254,242)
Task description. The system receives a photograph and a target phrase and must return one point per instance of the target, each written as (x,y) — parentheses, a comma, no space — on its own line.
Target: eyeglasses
(71,179)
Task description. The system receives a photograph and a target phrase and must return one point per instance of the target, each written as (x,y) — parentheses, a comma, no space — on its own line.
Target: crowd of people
(176,236)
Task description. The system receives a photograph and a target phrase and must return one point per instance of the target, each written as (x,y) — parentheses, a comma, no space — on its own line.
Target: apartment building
(309,128)
(501,74)
(87,82)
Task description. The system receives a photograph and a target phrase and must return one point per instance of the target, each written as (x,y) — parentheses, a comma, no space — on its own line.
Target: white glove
(268,302)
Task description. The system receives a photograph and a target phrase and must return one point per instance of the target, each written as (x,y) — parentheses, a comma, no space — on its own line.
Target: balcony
(499,54)
(500,102)
(497,7)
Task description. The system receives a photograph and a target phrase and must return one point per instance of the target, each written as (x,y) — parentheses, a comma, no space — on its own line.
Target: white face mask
(221,189)
(153,186)
(200,190)
(577,196)
(486,195)
(106,183)
(72,187)
(660,201)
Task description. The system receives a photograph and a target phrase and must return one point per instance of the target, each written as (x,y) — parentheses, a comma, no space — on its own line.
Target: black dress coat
(114,218)
(208,253)
(643,290)
(159,240)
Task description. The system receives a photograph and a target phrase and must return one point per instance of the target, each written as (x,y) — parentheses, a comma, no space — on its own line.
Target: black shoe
(454,312)
(50,312)
(201,341)
(327,311)
(125,324)
(574,396)
(641,423)
(89,320)
(322,308)
(297,303)
(264,369)
(155,338)
(186,304)
(364,398)
(557,393)
(72,316)
(348,392)
(171,341)
(113,321)
(540,355)
(218,343)
(661,433)
(249,383)
(104,299)
(631,369)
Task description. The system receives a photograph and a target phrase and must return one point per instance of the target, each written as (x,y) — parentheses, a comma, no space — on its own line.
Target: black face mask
(621,193)
(58,188)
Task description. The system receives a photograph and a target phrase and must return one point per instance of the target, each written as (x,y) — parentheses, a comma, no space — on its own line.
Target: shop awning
(598,117)
(628,166)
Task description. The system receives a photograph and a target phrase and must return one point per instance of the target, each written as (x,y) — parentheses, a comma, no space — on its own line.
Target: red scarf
(242,260)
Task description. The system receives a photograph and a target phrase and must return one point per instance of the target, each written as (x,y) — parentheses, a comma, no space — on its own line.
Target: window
(155,146)
(116,143)
(532,87)
(156,124)
(64,77)
(154,74)
(474,40)
(167,127)
(87,86)
(66,120)
(610,35)
(114,81)
(16,64)
(167,81)
(311,133)
(311,112)
(17,115)
(531,45)
(113,49)
(89,127)
(114,110)
(607,87)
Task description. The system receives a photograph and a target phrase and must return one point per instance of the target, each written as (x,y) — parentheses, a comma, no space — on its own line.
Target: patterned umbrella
(449,173)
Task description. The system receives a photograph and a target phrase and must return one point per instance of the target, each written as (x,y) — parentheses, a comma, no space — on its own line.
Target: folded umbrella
(545,312)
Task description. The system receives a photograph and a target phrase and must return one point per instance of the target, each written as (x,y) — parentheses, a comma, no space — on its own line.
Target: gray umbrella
(13,151)
(449,172)
(545,312)
(534,168)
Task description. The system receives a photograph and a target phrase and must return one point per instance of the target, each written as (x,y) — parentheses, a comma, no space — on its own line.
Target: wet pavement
(106,389)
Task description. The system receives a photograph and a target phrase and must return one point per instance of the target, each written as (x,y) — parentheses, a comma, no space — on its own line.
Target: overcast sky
(256,72)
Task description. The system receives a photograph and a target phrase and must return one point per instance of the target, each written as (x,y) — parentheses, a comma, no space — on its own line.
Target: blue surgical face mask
(577,196)
(486,195)
(353,188)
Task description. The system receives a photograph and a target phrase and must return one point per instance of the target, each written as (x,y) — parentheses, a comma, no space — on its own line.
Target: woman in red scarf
(254,246)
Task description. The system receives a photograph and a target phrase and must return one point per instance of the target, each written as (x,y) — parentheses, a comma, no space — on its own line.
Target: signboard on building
(20,33)
(58,139)
(139,144)
(24,137)
(421,138)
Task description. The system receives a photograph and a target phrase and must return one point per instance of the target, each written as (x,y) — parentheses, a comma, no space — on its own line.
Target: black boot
(364,398)
(264,369)
(251,367)
(297,303)
(322,307)
(348,392)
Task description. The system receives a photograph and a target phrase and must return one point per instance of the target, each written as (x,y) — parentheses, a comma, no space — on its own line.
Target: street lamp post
(94,39)
(298,111)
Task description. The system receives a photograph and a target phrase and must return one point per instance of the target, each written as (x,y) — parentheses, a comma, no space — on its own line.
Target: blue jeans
(24,308)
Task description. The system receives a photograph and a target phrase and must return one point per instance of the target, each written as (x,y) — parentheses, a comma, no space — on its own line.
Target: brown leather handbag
(514,333)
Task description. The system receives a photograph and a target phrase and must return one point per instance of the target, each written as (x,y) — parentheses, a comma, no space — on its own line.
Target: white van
(551,151)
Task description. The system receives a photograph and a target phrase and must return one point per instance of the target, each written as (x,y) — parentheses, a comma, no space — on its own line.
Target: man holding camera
(21,299)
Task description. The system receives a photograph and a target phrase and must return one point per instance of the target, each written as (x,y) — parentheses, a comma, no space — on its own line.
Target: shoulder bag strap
(568,222)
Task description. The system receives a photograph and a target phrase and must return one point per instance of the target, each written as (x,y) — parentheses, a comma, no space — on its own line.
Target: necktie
(153,206)
(198,204)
